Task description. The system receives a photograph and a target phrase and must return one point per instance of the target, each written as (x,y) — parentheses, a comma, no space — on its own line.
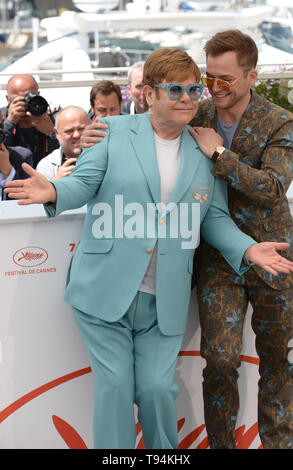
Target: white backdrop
(46,382)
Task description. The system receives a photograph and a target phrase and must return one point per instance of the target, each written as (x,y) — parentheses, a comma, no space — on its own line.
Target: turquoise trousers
(132,362)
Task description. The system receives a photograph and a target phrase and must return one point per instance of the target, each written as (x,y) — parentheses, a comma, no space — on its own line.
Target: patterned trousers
(223,299)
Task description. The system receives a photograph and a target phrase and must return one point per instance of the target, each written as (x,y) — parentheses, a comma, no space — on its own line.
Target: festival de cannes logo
(30,256)
(188,438)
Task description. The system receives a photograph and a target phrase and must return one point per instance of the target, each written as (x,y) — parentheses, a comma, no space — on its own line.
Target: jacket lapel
(190,157)
(245,130)
(142,138)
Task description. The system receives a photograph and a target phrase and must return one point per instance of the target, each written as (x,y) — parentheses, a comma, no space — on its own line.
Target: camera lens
(36,104)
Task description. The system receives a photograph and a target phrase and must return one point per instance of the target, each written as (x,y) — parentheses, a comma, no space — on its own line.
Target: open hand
(266,256)
(93,133)
(208,139)
(34,190)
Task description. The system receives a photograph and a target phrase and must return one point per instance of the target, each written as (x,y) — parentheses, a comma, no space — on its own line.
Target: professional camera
(35,104)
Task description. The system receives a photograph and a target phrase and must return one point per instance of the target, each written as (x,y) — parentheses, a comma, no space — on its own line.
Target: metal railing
(113,74)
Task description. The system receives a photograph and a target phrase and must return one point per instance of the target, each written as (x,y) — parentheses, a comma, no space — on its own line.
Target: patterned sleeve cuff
(245,260)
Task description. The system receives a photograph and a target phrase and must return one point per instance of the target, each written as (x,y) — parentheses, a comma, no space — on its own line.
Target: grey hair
(133,68)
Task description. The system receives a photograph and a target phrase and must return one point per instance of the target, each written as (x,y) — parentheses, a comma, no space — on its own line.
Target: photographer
(11,159)
(27,122)
(70,124)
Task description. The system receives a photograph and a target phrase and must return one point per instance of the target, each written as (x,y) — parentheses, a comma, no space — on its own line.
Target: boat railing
(119,75)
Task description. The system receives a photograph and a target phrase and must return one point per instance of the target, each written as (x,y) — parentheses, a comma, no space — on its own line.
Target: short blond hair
(169,64)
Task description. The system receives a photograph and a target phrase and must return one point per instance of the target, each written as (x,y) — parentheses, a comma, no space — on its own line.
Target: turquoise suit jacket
(106,272)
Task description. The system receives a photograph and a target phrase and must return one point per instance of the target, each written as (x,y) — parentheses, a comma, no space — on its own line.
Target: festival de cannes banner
(46,399)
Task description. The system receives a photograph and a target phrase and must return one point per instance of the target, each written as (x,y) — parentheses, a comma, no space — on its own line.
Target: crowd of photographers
(30,132)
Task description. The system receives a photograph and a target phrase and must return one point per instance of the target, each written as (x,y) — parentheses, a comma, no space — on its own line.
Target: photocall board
(46,399)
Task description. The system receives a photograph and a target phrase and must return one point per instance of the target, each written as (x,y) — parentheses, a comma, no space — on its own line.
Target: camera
(35,104)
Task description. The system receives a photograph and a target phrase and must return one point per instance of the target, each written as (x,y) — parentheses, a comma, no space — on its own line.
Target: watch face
(220,149)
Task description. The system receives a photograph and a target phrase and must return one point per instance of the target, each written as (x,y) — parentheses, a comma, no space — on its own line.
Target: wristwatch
(217,153)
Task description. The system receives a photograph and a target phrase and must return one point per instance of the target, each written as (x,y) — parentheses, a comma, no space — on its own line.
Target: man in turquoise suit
(149,196)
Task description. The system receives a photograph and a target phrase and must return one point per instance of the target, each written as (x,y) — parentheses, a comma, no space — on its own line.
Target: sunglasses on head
(222,84)
(176,90)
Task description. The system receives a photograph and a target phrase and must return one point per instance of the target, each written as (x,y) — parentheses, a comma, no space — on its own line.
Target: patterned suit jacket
(258,169)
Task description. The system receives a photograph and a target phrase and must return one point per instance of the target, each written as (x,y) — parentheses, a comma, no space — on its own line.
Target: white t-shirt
(50,164)
(168,156)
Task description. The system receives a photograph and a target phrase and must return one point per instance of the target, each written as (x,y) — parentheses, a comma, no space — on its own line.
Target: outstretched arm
(67,193)
(219,230)
(34,190)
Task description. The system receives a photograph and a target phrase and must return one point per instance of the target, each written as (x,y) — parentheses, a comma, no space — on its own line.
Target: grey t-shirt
(226,131)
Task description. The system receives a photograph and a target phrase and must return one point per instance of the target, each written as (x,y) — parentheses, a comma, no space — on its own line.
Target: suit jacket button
(149,250)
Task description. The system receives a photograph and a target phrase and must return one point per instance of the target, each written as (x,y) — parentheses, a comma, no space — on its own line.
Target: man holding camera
(26,120)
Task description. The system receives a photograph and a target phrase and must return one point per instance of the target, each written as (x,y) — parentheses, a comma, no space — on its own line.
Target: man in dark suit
(11,160)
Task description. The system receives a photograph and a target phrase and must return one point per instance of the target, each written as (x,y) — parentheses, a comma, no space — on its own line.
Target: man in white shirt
(70,124)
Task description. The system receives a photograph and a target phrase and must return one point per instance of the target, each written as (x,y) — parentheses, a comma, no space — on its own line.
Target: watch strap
(215,156)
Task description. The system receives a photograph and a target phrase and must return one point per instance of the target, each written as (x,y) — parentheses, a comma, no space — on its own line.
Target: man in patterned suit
(250,141)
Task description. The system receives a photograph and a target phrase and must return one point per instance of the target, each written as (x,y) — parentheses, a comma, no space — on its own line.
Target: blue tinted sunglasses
(176,90)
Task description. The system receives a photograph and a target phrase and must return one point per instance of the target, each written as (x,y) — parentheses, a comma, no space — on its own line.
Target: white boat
(68,37)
